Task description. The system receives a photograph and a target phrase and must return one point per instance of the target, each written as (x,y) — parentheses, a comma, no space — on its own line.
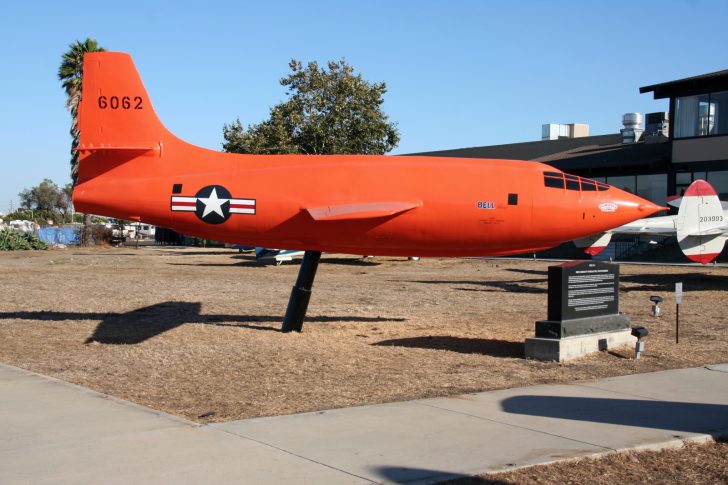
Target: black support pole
(301,292)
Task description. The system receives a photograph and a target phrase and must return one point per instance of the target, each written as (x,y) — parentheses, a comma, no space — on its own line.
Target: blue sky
(459,73)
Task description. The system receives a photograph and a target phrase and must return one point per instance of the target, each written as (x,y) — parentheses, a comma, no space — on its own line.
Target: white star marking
(213,204)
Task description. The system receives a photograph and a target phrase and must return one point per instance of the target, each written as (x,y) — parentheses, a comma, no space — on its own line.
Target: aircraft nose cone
(650,208)
(616,207)
(635,204)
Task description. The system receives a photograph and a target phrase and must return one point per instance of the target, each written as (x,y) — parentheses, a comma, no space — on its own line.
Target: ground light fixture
(656,300)
(640,332)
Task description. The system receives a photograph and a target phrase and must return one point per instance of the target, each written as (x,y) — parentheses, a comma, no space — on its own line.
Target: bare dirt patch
(196,331)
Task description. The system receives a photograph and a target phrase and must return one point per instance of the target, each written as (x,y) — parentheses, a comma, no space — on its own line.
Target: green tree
(328,111)
(46,198)
(70,73)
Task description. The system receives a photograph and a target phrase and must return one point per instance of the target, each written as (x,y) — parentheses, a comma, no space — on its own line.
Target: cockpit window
(553,179)
(572,182)
(560,180)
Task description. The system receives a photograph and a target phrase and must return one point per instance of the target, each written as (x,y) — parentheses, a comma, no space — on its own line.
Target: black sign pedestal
(583,313)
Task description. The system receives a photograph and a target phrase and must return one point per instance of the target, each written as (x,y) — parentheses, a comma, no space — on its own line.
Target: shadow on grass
(494,348)
(245,261)
(350,261)
(201,252)
(138,325)
(520,286)
(104,254)
(232,264)
(529,271)
(694,281)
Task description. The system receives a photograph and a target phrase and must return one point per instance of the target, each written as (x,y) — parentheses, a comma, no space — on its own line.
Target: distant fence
(59,235)
(164,236)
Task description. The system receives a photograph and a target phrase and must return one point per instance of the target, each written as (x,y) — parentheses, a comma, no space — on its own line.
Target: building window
(701,115)
(719,181)
(683,178)
(653,187)
(626,183)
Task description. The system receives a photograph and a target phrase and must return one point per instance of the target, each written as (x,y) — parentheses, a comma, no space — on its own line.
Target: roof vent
(632,131)
(657,127)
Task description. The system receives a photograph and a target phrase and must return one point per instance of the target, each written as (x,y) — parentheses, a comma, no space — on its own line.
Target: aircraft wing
(655,226)
(659,226)
(363,210)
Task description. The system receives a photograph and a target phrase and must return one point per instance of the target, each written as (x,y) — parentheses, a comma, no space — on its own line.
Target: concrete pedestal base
(569,348)
(581,326)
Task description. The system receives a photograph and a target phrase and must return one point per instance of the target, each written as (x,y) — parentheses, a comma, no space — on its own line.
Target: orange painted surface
(132,168)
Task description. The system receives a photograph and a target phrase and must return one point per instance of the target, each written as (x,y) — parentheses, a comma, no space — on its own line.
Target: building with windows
(699,133)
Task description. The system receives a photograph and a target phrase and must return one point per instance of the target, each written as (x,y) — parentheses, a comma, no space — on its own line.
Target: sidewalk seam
(263,443)
(515,426)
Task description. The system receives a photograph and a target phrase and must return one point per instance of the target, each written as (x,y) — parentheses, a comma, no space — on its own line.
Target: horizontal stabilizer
(593,245)
(713,231)
(661,226)
(365,210)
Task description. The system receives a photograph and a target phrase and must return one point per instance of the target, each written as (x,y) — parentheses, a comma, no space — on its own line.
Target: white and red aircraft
(701,225)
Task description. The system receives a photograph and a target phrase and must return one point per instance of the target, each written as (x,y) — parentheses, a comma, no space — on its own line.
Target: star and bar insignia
(213,204)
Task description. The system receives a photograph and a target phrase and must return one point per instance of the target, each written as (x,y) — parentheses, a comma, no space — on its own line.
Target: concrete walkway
(54,432)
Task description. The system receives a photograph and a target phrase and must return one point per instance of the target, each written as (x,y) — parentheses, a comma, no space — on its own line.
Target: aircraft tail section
(593,245)
(115,112)
(701,225)
(121,139)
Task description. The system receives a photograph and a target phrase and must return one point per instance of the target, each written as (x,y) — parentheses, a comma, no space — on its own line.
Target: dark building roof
(617,155)
(591,152)
(525,151)
(705,83)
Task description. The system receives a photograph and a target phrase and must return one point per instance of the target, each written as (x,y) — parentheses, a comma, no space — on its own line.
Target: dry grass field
(696,464)
(195,332)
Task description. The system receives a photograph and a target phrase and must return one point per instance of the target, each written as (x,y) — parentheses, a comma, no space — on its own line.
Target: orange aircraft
(131,167)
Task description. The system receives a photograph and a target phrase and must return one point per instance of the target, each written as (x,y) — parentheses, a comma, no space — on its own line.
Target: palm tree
(70,73)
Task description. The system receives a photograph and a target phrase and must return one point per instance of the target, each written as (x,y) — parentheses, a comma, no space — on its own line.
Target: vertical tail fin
(701,226)
(115,111)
